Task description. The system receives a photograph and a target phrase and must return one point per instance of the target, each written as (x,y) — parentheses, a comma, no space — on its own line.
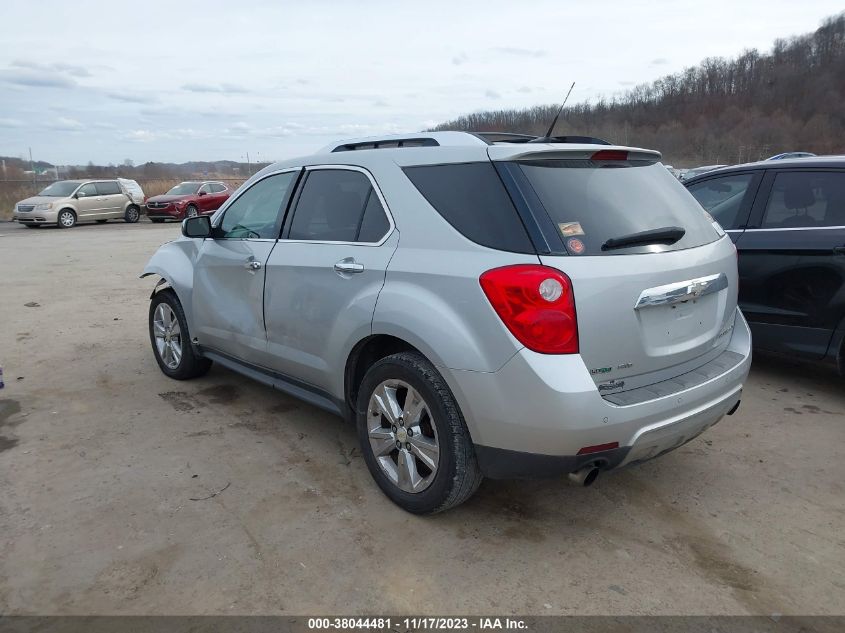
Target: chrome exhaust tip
(585,476)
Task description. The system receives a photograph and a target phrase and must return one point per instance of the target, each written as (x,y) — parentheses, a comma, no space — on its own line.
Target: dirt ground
(107,471)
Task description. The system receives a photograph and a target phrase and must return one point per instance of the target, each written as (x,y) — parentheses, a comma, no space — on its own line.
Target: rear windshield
(590,205)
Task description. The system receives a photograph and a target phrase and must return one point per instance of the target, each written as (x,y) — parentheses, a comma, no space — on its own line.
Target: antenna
(554,122)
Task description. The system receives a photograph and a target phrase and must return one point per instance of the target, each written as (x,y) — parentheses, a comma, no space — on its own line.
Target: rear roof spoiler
(548,151)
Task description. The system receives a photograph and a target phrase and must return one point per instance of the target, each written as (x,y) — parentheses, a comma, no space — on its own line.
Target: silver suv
(479,305)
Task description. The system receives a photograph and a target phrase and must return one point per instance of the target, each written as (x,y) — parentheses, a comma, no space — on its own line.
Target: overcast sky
(176,81)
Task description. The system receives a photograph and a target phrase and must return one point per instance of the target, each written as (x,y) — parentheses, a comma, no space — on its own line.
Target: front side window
(205,189)
(257,213)
(723,197)
(108,188)
(217,188)
(87,190)
(806,199)
(338,205)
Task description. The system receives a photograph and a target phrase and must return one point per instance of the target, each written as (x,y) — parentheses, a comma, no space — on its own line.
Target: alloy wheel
(168,335)
(403,436)
(66,218)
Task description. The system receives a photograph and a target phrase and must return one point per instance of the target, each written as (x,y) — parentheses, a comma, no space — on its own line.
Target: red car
(188,199)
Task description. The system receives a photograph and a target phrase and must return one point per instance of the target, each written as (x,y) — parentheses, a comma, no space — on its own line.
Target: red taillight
(598,448)
(536,304)
(610,154)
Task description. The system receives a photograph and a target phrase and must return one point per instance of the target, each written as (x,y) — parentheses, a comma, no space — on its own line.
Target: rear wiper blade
(665,235)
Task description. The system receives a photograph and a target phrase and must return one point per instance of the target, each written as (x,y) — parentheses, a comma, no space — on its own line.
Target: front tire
(413,436)
(132,214)
(191,211)
(171,341)
(66,219)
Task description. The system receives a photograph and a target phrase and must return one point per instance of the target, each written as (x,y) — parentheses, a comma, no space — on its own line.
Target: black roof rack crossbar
(503,137)
(511,137)
(417,141)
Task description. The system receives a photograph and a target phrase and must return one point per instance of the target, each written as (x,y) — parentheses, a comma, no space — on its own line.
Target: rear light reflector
(610,154)
(598,448)
(536,304)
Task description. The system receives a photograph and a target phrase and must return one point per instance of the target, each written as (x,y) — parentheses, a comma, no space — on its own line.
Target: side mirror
(203,193)
(197,227)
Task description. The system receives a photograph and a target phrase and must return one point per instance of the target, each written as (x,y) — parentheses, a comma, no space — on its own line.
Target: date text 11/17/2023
(421,623)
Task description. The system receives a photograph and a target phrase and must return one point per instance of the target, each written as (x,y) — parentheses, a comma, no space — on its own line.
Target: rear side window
(806,199)
(338,205)
(722,197)
(108,188)
(472,198)
(590,205)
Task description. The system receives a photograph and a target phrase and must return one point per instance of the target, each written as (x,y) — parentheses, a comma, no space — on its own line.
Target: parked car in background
(791,155)
(67,202)
(697,171)
(787,219)
(551,308)
(188,199)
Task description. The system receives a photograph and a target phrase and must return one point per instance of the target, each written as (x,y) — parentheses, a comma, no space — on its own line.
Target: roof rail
(421,139)
(385,143)
(450,138)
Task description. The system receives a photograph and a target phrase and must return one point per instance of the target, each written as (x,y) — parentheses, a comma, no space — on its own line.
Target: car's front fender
(174,263)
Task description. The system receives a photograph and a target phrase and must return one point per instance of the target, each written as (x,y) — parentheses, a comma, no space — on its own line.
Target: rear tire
(172,347)
(434,450)
(132,215)
(66,219)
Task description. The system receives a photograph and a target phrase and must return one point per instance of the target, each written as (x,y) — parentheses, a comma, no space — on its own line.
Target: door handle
(839,250)
(252,265)
(348,266)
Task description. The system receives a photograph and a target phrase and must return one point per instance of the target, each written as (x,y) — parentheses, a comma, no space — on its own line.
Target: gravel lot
(102,458)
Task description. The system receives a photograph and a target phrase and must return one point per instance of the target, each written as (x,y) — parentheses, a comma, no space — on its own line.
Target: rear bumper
(532,416)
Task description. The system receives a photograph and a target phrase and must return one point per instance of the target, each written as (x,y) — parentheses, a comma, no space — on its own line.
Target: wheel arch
(373,348)
(364,355)
(173,263)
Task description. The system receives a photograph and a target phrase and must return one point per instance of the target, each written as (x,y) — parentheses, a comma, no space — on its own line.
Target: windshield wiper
(665,235)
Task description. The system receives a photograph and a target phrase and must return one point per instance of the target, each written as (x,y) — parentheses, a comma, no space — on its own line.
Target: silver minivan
(477,306)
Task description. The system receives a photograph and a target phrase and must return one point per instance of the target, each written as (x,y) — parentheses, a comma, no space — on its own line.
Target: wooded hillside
(721,111)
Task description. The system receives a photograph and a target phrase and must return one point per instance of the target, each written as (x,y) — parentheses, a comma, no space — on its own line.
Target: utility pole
(32,167)
(248,165)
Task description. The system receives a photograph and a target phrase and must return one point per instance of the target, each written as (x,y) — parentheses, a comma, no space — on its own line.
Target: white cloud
(286,78)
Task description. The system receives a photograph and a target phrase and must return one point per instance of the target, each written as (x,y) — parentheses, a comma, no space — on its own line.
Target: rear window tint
(472,198)
(806,199)
(723,197)
(590,205)
(107,188)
